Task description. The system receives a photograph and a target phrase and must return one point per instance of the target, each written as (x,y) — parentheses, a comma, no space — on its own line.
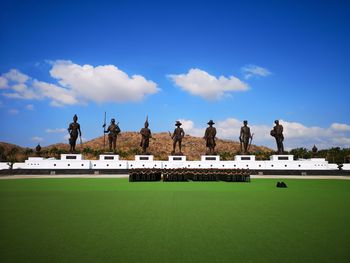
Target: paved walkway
(336,177)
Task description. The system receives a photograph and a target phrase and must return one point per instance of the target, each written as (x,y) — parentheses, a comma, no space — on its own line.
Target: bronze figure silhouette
(209,136)
(277,132)
(74,132)
(113,130)
(145,136)
(244,137)
(177,137)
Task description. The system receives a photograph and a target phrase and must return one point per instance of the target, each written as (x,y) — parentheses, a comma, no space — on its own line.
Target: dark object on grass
(281,185)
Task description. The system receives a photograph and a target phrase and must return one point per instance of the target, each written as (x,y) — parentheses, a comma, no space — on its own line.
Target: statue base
(109,157)
(143,157)
(72,156)
(206,158)
(245,157)
(281,157)
(177,158)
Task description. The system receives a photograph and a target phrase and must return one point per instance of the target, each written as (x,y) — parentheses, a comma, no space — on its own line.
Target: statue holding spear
(113,130)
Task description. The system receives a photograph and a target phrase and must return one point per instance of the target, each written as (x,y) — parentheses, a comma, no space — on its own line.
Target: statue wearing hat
(244,137)
(209,136)
(74,131)
(277,132)
(113,131)
(177,136)
(145,136)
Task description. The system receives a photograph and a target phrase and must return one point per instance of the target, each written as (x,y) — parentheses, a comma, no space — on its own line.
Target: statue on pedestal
(177,136)
(145,136)
(38,150)
(74,132)
(314,151)
(277,132)
(113,130)
(244,137)
(209,137)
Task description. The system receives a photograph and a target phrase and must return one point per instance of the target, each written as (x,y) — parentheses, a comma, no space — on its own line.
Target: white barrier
(112,161)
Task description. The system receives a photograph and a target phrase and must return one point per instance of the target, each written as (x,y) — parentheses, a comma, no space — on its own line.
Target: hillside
(128,146)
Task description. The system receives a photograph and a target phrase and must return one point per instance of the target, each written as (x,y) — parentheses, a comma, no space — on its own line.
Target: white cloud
(78,85)
(3,83)
(37,139)
(296,134)
(59,96)
(255,71)
(340,127)
(57,130)
(30,107)
(102,83)
(13,111)
(189,128)
(16,76)
(200,83)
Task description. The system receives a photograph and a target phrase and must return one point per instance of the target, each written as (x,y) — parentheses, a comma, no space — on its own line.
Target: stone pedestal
(143,158)
(206,158)
(177,158)
(280,157)
(109,157)
(245,158)
(72,157)
(144,162)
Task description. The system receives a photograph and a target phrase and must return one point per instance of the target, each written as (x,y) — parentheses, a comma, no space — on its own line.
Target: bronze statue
(38,149)
(113,130)
(244,137)
(177,136)
(314,151)
(74,131)
(145,136)
(277,132)
(209,136)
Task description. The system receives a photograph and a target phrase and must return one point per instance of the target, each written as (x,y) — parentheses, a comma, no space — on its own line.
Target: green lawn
(112,220)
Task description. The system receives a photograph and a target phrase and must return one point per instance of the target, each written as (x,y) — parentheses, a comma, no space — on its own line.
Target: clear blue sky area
(302,49)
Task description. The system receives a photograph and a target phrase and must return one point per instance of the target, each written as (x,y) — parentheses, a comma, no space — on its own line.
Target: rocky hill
(128,147)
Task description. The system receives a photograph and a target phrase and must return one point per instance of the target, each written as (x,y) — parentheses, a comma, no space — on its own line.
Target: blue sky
(193,60)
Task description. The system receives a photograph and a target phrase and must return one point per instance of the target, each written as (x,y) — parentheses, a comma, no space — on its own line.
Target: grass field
(112,220)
